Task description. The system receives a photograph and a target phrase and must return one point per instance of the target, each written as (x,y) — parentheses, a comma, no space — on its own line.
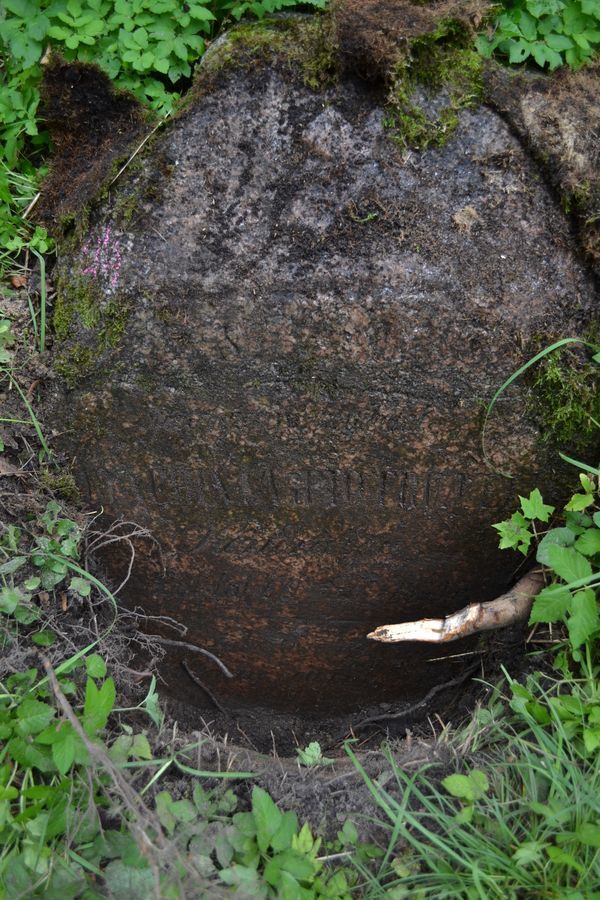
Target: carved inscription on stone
(268,487)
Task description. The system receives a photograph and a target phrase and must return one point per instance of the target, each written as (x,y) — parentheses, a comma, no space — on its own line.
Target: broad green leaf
(63,751)
(128,882)
(529,852)
(267,817)
(44,638)
(563,537)
(164,810)
(579,502)
(30,755)
(33,716)
(10,597)
(559,42)
(589,834)
(584,620)
(519,51)
(588,543)
(568,563)
(558,855)
(551,604)
(95,666)
(98,705)
(282,839)
(459,786)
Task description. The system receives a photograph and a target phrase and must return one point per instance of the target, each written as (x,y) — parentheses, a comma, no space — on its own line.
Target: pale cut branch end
(509,608)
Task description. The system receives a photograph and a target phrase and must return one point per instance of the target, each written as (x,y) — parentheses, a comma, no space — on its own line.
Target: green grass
(534,832)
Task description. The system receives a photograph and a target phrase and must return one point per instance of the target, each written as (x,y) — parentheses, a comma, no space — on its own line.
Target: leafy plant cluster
(571,554)
(147,47)
(552,33)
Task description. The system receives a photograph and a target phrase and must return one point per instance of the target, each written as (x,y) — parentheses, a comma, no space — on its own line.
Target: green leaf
(562,537)
(164,803)
(33,716)
(579,502)
(10,597)
(95,666)
(584,620)
(282,839)
(140,748)
(568,563)
(519,51)
(98,705)
(12,565)
(44,638)
(529,852)
(589,834)
(588,543)
(534,507)
(514,533)
(81,586)
(267,816)
(559,42)
(469,787)
(289,861)
(557,855)
(551,604)
(121,880)
(63,751)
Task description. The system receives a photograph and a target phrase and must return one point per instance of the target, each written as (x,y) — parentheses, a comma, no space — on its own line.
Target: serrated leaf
(140,748)
(267,817)
(63,751)
(588,543)
(282,839)
(551,604)
(579,502)
(459,786)
(584,620)
(568,563)
(33,716)
(534,507)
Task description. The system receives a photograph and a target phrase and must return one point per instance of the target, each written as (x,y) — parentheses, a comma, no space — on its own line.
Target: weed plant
(550,33)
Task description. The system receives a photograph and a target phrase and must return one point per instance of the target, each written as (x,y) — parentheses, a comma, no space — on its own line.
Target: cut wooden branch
(512,607)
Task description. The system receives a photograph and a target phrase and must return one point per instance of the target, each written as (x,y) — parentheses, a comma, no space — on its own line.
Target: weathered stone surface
(277,337)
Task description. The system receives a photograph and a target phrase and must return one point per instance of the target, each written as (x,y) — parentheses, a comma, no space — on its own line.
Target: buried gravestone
(275,339)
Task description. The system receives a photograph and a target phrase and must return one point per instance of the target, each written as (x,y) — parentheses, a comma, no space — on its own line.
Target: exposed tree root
(514,606)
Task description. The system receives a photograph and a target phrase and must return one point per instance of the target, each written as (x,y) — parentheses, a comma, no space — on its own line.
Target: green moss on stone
(61,483)
(87,324)
(74,364)
(565,398)
(306,44)
(440,61)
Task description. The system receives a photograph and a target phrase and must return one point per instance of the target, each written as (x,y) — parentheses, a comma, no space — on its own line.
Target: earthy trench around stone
(275,342)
